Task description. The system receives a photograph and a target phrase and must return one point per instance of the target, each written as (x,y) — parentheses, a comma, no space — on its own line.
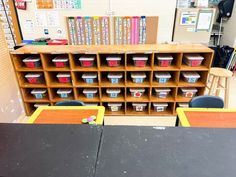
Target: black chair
(206,102)
(70,103)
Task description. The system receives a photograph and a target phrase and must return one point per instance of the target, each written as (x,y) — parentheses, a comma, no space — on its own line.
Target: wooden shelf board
(132,84)
(107,68)
(105,98)
(186,84)
(61,85)
(79,68)
(110,113)
(84,99)
(34,100)
(57,99)
(27,85)
(106,83)
(83,84)
(167,99)
(51,68)
(29,69)
(144,98)
(169,68)
(182,99)
(168,84)
(168,112)
(131,112)
(185,67)
(134,68)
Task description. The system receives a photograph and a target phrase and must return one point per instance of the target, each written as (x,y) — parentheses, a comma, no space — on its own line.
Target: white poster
(204,20)
(40,19)
(188,18)
(53,19)
(28,26)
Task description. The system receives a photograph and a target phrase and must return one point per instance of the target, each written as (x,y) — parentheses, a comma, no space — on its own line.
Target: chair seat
(221,72)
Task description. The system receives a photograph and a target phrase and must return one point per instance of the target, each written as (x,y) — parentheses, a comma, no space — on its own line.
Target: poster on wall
(188,18)
(204,20)
(53,19)
(40,18)
(67,4)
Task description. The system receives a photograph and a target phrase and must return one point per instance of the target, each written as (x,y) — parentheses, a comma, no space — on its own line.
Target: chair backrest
(70,103)
(206,101)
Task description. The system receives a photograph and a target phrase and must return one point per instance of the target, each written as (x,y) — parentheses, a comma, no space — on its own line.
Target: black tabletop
(167,152)
(48,150)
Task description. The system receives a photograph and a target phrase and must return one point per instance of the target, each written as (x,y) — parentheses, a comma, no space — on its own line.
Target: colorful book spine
(79,36)
(96,28)
(124,30)
(132,30)
(136,30)
(105,31)
(128,30)
(144,34)
(88,31)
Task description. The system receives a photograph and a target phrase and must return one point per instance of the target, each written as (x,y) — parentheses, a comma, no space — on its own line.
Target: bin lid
(160,104)
(139,104)
(162,90)
(188,89)
(31,59)
(90,91)
(91,104)
(113,58)
(113,90)
(36,105)
(114,104)
(60,58)
(138,75)
(140,57)
(33,75)
(89,75)
(115,75)
(137,90)
(190,74)
(35,91)
(193,56)
(164,57)
(59,91)
(162,75)
(63,75)
(183,105)
(86,58)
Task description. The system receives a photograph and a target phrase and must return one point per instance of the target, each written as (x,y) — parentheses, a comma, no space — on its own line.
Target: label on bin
(140,63)
(139,108)
(39,95)
(137,94)
(195,62)
(113,63)
(89,95)
(87,63)
(60,64)
(160,109)
(30,64)
(89,81)
(113,95)
(162,80)
(114,108)
(192,80)
(189,94)
(114,81)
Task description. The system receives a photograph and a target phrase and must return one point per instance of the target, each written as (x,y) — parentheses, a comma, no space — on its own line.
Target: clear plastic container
(87,61)
(188,92)
(193,59)
(160,107)
(36,105)
(64,77)
(137,92)
(115,78)
(162,77)
(139,107)
(164,60)
(64,93)
(90,93)
(113,93)
(39,93)
(34,78)
(32,62)
(61,61)
(90,78)
(138,77)
(113,61)
(140,60)
(183,105)
(114,107)
(162,92)
(191,77)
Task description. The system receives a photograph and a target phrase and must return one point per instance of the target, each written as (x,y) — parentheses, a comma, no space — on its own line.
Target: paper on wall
(204,20)
(188,18)
(40,18)
(53,19)
(28,26)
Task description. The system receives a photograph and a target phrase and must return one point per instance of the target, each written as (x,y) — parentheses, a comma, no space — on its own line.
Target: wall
(10,105)
(229,36)
(165,11)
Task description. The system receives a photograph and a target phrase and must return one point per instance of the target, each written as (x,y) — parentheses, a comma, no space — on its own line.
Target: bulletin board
(54,19)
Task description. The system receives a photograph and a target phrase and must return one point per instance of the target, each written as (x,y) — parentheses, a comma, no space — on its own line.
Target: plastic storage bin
(90,78)
(90,93)
(91,104)
(137,92)
(162,77)
(164,60)
(183,105)
(114,107)
(36,105)
(190,77)
(34,78)
(39,93)
(193,59)
(113,61)
(138,77)
(87,61)
(115,78)
(188,92)
(32,62)
(140,61)
(64,77)
(139,107)
(64,93)
(113,93)
(162,92)
(60,61)
(160,107)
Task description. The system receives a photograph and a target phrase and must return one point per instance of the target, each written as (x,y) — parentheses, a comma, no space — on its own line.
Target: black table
(168,152)
(48,150)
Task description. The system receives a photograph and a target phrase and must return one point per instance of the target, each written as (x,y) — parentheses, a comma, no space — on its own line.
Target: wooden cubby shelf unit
(100,67)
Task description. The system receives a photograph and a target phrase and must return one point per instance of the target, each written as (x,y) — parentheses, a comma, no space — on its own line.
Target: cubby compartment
(114,108)
(27,62)
(82,61)
(165,78)
(137,108)
(60,94)
(139,61)
(138,79)
(88,94)
(112,62)
(56,62)
(35,94)
(185,94)
(31,79)
(196,63)
(162,108)
(163,94)
(113,94)
(92,104)
(113,79)
(136,94)
(59,79)
(167,61)
(86,79)
(30,107)
(200,81)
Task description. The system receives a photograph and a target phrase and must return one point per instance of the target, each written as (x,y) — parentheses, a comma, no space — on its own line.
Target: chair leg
(226,92)
(218,86)
(213,83)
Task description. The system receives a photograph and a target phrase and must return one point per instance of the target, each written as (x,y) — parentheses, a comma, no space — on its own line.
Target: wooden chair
(220,81)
